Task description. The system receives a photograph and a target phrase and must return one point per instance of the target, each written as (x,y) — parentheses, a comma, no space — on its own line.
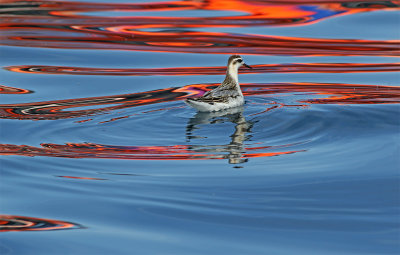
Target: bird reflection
(235,148)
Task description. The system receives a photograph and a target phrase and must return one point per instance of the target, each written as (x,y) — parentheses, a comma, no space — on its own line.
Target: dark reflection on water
(235,148)
(236,151)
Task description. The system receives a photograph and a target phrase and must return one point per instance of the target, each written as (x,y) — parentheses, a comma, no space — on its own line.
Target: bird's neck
(232,72)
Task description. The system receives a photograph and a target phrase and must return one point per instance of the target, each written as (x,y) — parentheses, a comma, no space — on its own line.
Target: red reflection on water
(265,68)
(57,109)
(81,178)
(174,152)
(331,93)
(59,24)
(11,90)
(22,223)
(250,13)
(204,42)
(334,93)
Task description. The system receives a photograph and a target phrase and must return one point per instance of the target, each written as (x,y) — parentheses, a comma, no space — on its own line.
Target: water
(97,143)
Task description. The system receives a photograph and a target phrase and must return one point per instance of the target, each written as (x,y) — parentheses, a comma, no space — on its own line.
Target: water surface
(99,154)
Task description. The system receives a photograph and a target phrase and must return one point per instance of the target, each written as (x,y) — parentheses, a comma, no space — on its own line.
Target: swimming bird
(226,95)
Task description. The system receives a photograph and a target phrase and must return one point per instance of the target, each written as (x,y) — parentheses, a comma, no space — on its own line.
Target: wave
(124,38)
(264,68)
(327,93)
(66,25)
(252,13)
(175,152)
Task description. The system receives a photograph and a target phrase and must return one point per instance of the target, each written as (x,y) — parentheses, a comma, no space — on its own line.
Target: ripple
(11,90)
(81,178)
(22,223)
(144,170)
(263,68)
(289,124)
(256,13)
(175,152)
(125,38)
(51,110)
(328,93)
(65,25)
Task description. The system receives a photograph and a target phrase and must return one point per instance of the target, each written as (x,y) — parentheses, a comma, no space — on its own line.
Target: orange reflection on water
(11,90)
(202,42)
(57,109)
(81,178)
(332,93)
(174,152)
(336,93)
(22,223)
(74,25)
(246,13)
(263,68)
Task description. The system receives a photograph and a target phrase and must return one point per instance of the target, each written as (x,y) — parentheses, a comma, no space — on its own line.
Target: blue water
(309,165)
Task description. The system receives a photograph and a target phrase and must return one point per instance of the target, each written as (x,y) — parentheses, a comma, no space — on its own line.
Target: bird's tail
(200,106)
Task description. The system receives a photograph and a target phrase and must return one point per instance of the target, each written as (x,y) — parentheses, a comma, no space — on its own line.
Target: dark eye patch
(239,61)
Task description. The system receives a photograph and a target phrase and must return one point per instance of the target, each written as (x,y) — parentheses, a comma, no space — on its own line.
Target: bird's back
(228,88)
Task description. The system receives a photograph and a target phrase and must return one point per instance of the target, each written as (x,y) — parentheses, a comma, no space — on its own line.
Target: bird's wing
(221,91)
(211,100)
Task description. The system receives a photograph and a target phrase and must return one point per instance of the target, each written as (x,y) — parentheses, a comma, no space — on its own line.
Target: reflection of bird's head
(236,61)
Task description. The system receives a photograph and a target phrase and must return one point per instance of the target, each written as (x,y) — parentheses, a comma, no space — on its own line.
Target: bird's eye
(240,61)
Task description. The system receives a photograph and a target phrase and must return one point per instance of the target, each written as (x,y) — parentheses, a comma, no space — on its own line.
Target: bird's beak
(247,66)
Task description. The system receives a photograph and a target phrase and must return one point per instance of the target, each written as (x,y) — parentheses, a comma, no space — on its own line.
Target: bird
(226,95)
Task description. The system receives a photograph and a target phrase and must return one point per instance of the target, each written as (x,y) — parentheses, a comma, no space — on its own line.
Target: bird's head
(236,61)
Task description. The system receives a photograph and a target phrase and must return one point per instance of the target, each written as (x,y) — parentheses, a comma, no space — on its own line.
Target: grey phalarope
(226,95)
